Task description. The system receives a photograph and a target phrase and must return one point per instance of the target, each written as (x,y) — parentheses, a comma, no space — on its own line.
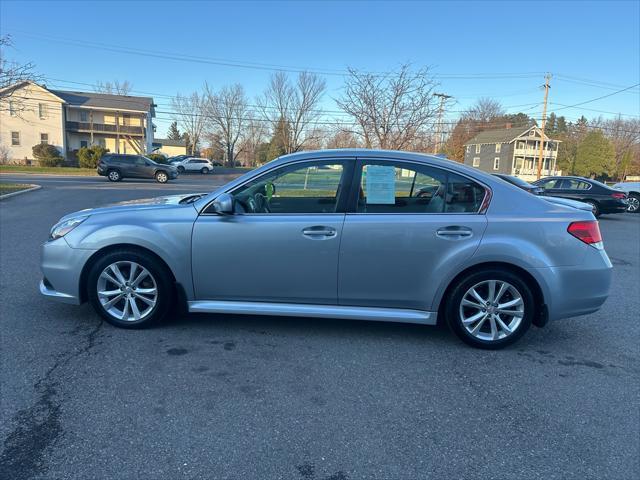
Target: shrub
(47,155)
(157,157)
(88,157)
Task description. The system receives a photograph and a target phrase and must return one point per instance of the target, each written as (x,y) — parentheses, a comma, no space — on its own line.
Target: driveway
(219,396)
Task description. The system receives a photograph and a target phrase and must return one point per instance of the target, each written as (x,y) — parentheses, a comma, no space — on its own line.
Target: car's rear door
(398,243)
(284,252)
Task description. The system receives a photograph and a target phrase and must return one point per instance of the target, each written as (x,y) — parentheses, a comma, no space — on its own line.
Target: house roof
(503,135)
(105,100)
(165,142)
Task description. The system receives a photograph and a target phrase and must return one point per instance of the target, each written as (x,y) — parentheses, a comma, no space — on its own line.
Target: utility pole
(443,99)
(547,78)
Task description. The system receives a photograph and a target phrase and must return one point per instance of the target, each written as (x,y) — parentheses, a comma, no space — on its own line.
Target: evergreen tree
(173,133)
(594,156)
(561,125)
(551,126)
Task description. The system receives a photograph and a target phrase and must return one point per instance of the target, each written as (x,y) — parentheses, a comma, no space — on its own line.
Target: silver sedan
(355,234)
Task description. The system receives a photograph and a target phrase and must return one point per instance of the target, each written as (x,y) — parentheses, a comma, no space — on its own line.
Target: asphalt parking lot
(206,396)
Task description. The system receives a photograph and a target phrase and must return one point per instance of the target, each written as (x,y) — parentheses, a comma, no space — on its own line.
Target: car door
(193,165)
(551,186)
(407,229)
(282,244)
(138,167)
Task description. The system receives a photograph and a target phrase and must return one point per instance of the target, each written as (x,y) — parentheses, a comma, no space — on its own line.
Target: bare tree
(343,139)
(114,88)
(13,73)
(484,110)
(624,134)
(191,115)
(227,115)
(255,131)
(389,111)
(295,104)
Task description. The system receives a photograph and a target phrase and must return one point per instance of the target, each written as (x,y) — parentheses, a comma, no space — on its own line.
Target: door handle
(319,232)
(454,232)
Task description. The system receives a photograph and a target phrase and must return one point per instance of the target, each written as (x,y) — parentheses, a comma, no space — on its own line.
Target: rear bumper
(614,207)
(580,289)
(62,266)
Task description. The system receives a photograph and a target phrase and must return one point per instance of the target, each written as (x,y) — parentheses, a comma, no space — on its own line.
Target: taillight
(619,196)
(587,232)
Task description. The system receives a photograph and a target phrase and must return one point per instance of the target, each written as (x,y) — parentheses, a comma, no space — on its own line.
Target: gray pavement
(205,396)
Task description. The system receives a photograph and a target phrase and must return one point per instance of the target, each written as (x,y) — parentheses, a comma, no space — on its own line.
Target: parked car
(520,183)
(177,158)
(116,166)
(488,259)
(192,164)
(632,189)
(603,199)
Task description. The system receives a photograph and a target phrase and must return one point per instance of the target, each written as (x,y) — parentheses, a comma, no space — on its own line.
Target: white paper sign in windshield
(380,183)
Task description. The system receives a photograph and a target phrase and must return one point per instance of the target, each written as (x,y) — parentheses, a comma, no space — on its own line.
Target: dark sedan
(518,182)
(602,198)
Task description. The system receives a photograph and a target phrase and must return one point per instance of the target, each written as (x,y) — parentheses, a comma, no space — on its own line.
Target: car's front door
(282,244)
(409,227)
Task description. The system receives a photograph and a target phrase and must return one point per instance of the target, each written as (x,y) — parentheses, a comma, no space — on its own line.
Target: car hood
(568,203)
(170,201)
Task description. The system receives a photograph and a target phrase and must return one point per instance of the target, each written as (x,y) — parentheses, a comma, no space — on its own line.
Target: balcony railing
(534,152)
(105,128)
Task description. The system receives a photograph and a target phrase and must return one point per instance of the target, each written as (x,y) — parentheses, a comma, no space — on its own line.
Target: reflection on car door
(288,255)
(397,243)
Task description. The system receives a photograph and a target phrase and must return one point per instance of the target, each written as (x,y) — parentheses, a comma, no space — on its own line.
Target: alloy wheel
(127,291)
(634,204)
(114,176)
(491,310)
(161,177)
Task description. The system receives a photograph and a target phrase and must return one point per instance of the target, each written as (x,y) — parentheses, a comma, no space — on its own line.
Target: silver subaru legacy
(354,234)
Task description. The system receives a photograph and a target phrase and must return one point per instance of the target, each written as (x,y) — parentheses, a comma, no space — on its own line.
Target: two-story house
(31,113)
(513,151)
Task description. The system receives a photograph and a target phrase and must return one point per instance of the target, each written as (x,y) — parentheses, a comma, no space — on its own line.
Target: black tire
(454,300)
(114,176)
(595,207)
(204,170)
(161,276)
(181,170)
(634,203)
(162,176)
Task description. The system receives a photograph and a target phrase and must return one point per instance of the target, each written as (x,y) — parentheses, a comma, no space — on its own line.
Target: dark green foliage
(47,155)
(173,133)
(158,158)
(88,157)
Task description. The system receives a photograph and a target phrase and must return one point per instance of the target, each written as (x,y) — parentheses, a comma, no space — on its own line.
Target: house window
(84,144)
(476,161)
(532,133)
(15,139)
(478,148)
(496,163)
(498,147)
(521,145)
(44,138)
(84,116)
(42,110)
(12,108)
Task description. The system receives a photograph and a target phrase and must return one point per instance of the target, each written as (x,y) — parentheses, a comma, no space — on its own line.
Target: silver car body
(392,267)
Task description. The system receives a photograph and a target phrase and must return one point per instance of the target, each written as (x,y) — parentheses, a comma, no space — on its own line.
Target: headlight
(60,229)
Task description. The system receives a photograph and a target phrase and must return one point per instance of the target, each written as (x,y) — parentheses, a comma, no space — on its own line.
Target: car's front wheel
(181,170)
(162,177)
(634,203)
(204,170)
(130,289)
(490,309)
(114,175)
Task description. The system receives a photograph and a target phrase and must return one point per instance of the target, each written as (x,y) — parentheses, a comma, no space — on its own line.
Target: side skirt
(320,311)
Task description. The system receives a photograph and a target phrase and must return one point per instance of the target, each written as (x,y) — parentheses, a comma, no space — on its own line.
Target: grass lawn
(13,187)
(49,170)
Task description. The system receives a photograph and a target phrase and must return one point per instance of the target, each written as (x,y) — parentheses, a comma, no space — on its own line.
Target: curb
(27,174)
(13,194)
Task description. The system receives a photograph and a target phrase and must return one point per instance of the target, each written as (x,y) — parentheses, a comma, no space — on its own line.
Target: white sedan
(633,194)
(202,165)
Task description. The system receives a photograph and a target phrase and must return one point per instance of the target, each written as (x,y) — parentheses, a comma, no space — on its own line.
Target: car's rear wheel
(595,208)
(114,175)
(204,170)
(634,203)
(490,309)
(130,289)
(162,177)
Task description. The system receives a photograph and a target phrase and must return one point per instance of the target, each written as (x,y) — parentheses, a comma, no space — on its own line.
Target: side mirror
(223,204)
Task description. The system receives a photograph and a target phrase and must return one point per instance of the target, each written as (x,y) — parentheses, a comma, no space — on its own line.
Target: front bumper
(173,175)
(62,267)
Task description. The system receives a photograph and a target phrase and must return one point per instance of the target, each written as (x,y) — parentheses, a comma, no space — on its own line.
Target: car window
(396,187)
(139,161)
(310,188)
(574,184)
(548,184)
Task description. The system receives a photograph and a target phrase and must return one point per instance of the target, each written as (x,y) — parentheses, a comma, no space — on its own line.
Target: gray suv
(116,166)
(356,234)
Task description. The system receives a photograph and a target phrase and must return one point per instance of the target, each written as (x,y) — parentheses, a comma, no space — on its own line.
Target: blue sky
(591,48)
